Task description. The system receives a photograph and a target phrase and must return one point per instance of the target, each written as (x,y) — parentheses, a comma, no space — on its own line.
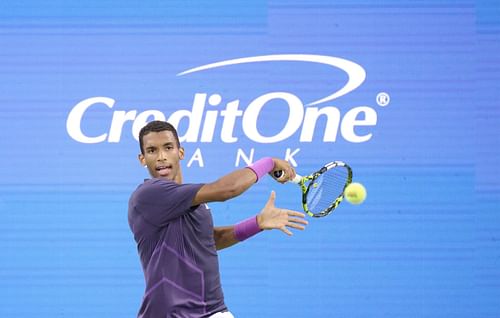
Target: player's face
(162,155)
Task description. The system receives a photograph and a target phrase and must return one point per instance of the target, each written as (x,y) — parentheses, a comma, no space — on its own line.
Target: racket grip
(279,173)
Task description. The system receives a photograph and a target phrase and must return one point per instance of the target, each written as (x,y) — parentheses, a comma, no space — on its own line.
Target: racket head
(323,191)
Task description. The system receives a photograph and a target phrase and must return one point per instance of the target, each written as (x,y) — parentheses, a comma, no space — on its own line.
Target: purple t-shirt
(177,249)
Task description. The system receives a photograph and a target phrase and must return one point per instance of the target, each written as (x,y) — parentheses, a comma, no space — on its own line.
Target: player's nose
(161,156)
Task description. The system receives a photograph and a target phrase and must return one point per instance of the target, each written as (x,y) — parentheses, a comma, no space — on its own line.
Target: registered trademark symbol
(383,99)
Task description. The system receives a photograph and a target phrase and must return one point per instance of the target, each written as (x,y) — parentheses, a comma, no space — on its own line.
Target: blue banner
(405,92)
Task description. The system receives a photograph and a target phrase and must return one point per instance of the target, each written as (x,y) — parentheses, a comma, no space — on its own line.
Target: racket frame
(306,182)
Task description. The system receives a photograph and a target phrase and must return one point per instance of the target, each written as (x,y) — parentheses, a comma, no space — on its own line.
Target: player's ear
(142,160)
(181,153)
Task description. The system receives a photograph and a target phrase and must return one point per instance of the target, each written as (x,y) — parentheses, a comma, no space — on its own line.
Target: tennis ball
(355,193)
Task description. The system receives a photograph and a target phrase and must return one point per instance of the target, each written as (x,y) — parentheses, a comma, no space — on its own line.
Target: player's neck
(178,178)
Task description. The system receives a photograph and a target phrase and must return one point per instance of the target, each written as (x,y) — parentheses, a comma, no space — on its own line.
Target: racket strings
(326,189)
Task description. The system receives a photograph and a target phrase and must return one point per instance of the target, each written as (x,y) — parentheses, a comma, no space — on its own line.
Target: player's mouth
(164,170)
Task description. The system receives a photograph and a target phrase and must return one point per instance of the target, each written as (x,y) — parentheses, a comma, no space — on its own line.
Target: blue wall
(424,244)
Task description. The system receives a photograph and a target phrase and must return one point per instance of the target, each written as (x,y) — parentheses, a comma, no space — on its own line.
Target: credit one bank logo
(202,123)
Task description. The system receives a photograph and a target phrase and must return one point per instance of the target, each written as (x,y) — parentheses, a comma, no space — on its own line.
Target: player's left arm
(271,217)
(224,237)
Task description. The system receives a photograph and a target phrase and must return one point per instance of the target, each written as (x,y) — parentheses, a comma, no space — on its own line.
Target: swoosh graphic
(356,74)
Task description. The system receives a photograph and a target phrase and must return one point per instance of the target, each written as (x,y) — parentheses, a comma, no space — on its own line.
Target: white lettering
(210,122)
(230,115)
(350,122)
(199,119)
(197,156)
(241,155)
(310,119)
(295,115)
(194,116)
(119,118)
(143,119)
(289,156)
(74,121)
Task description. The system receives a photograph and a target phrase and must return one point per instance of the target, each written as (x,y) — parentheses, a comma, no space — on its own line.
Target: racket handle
(279,173)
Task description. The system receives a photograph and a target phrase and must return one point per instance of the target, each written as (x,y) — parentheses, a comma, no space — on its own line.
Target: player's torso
(183,271)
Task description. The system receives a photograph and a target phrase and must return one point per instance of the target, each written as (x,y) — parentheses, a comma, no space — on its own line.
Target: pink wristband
(246,229)
(262,166)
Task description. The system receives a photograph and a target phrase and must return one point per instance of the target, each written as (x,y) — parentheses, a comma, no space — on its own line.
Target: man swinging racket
(174,231)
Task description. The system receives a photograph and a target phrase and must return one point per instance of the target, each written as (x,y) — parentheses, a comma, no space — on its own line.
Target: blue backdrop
(418,122)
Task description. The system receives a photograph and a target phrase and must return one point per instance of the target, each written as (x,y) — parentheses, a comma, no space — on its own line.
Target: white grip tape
(280,174)
(296,179)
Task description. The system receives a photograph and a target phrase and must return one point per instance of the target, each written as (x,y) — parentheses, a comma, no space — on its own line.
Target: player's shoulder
(155,184)
(150,191)
(164,187)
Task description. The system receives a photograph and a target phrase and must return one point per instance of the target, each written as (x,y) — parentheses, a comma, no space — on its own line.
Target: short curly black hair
(157,126)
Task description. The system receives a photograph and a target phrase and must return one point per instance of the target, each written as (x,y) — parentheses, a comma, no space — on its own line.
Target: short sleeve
(160,201)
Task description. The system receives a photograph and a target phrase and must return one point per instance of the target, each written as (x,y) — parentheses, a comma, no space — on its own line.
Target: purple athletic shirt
(177,249)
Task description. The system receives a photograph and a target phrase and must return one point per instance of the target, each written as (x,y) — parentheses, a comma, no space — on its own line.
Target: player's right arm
(237,182)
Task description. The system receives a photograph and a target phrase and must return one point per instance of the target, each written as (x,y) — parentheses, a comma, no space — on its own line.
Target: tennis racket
(323,190)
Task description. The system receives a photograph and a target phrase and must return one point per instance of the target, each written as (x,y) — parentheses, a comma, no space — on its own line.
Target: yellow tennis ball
(355,193)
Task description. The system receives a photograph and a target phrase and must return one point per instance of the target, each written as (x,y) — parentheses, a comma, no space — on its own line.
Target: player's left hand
(272,217)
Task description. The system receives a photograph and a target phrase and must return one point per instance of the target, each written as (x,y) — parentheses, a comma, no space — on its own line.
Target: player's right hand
(288,172)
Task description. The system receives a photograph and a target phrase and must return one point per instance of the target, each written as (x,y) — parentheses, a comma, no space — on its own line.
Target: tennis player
(173,227)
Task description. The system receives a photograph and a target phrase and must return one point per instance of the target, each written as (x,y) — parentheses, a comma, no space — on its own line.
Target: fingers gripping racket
(323,190)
